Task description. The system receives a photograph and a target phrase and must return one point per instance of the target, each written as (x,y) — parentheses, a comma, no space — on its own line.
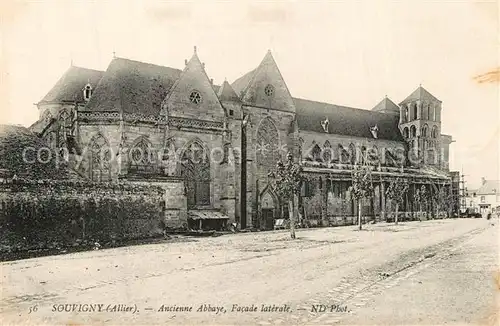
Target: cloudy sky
(343,52)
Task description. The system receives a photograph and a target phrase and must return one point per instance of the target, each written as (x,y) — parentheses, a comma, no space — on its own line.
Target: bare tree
(396,192)
(288,181)
(361,187)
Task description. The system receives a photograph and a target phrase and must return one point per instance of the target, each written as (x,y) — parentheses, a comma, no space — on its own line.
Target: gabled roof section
(193,79)
(241,84)
(251,88)
(386,106)
(345,120)
(420,94)
(227,94)
(489,187)
(133,87)
(69,88)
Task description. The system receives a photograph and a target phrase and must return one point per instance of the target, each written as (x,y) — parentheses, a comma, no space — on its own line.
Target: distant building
(488,196)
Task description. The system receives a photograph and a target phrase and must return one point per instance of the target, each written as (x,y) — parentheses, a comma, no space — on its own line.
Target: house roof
(489,187)
(133,87)
(420,94)
(386,105)
(13,141)
(70,86)
(345,120)
(227,93)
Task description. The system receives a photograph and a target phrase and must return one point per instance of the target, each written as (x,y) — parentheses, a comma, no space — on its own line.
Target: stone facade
(212,147)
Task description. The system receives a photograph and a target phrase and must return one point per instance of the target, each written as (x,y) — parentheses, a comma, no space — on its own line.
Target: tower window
(413,131)
(87,92)
(231,112)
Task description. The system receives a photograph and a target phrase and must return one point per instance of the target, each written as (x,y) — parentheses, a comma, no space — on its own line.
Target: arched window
(425,112)
(87,92)
(314,154)
(344,154)
(327,152)
(424,131)
(267,146)
(195,169)
(64,118)
(413,131)
(100,159)
(142,157)
(406,132)
(434,132)
(47,116)
(64,128)
(414,109)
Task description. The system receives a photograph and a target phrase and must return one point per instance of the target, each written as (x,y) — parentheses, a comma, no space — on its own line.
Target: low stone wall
(175,212)
(52,214)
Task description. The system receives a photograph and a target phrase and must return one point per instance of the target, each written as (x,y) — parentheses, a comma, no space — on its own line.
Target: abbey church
(211,147)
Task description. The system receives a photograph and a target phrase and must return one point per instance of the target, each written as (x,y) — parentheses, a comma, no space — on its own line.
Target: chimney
(185,62)
(483,181)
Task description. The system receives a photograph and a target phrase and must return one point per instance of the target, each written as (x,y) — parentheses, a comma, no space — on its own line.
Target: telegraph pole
(463,191)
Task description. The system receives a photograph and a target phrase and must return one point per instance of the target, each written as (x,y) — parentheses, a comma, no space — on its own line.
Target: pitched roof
(251,87)
(70,86)
(420,94)
(345,120)
(13,140)
(241,84)
(133,87)
(227,93)
(489,187)
(386,105)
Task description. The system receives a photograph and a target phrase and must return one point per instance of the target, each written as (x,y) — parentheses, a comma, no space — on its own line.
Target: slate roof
(386,105)
(70,86)
(133,87)
(13,140)
(489,187)
(227,93)
(241,84)
(345,120)
(420,94)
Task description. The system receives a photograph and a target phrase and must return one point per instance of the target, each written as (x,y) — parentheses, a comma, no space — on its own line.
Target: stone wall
(49,214)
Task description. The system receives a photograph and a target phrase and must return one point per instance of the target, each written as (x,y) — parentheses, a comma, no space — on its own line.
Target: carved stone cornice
(186,123)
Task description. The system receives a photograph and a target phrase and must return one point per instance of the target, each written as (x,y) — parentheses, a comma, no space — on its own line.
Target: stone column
(419,110)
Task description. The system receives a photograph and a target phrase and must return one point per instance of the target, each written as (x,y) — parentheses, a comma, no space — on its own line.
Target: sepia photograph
(249,162)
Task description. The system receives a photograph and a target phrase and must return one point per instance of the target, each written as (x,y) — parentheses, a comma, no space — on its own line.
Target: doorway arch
(269,205)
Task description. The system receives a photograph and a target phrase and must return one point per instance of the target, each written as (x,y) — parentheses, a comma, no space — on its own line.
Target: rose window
(269,90)
(195,97)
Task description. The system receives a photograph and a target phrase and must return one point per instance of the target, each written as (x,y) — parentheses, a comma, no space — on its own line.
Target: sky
(349,53)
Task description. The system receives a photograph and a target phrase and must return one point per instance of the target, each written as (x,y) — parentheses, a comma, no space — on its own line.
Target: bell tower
(420,125)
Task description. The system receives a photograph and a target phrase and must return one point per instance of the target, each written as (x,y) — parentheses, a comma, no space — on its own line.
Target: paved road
(430,272)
